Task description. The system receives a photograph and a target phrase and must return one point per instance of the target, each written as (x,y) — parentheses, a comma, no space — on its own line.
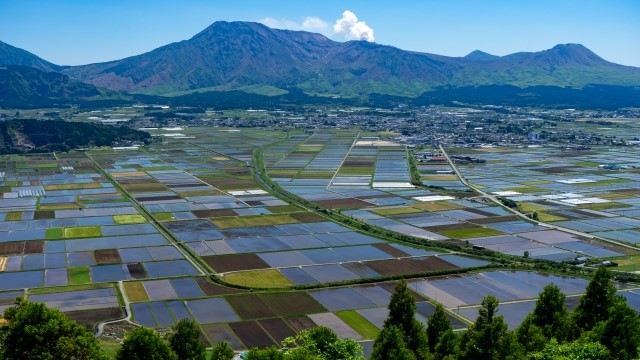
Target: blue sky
(79,32)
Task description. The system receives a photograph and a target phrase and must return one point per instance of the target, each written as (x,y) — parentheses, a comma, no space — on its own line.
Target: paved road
(127,311)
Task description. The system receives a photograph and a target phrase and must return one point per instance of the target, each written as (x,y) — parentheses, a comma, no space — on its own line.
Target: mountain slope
(23,86)
(232,55)
(11,55)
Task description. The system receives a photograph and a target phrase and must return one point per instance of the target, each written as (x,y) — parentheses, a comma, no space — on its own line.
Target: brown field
(251,334)
(213,213)
(137,271)
(391,267)
(235,262)
(249,306)
(12,248)
(431,263)
(213,289)
(308,217)
(34,247)
(44,214)
(277,328)
(157,198)
(293,303)
(408,266)
(553,170)
(390,250)
(107,256)
(90,318)
(342,204)
(299,323)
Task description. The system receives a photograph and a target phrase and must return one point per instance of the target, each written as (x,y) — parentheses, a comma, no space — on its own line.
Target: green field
(79,275)
(13,216)
(249,221)
(135,291)
(82,232)
(54,234)
(470,233)
(129,219)
(396,211)
(358,323)
(269,278)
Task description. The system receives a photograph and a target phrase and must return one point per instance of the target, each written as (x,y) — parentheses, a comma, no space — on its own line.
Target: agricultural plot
(65,223)
(357,311)
(594,192)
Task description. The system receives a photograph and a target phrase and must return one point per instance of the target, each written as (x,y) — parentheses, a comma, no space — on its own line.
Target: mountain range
(254,58)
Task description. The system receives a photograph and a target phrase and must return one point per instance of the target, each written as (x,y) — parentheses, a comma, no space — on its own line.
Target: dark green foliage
(185,341)
(437,325)
(621,332)
(549,319)
(143,343)
(595,304)
(402,307)
(63,135)
(270,353)
(221,351)
(447,346)
(572,351)
(390,345)
(39,333)
(323,344)
(489,337)
(25,87)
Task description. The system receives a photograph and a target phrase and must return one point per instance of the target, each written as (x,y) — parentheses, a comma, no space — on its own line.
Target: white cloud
(310,23)
(348,26)
(352,29)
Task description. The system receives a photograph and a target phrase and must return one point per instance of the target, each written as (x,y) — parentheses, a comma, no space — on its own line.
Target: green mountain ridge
(236,55)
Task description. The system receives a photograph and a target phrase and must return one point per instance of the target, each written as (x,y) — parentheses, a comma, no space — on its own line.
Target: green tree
(34,331)
(143,343)
(595,304)
(531,336)
(572,351)
(488,338)
(221,351)
(549,319)
(621,332)
(270,353)
(185,341)
(402,308)
(437,325)
(322,343)
(447,346)
(390,345)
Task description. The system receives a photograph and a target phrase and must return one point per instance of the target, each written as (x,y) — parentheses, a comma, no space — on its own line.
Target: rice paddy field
(594,192)
(92,232)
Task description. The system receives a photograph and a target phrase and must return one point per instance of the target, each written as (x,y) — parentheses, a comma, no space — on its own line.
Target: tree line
(601,327)
(57,135)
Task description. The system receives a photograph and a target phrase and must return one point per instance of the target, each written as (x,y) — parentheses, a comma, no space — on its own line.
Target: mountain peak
(480,55)
(11,55)
(573,53)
